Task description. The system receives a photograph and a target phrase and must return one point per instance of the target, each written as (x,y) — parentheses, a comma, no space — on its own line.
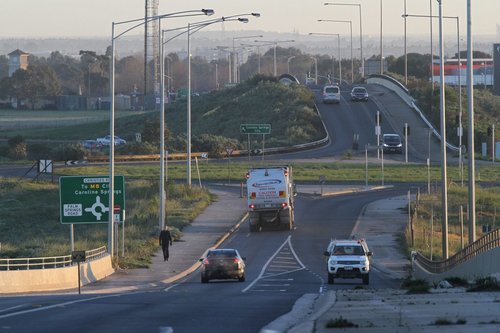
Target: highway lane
(342,122)
(282,266)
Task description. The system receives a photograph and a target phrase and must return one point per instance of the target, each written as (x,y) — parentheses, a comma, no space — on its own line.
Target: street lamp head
(208,12)
(256,14)
(243,19)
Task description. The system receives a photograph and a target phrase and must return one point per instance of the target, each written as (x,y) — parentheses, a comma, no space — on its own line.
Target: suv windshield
(348,250)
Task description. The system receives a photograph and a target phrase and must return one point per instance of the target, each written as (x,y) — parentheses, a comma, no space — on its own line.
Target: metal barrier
(10,264)
(488,242)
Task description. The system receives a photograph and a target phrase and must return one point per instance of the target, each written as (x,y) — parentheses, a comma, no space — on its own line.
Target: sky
(92,18)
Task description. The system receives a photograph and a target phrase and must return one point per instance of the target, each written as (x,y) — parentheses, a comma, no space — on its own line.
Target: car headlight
(400,145)
(385,145)
(333,262)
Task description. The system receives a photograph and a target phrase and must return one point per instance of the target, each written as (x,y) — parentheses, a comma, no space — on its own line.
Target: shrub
(68,152)
(489,283)
(417,286)
(339,323)
(39,151)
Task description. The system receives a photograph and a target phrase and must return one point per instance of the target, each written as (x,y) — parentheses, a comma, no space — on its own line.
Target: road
(281,267)
(347,119)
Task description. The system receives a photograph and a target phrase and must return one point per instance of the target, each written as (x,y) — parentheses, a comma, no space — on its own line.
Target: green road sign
(255,128)
(85,199)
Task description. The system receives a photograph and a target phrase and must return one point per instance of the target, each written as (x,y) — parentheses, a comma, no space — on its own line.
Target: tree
(32,84)
(4,66)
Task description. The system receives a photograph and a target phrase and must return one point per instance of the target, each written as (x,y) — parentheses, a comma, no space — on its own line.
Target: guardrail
(488,242)
(11,264)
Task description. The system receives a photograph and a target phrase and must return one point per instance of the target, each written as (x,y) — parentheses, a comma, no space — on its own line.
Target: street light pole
(470,133)
(350,26)
(111,176)
(288,63)
(360,31)
(275,44)
(381,43)
(338,50)
(444,184)
(406,49)
(235,65)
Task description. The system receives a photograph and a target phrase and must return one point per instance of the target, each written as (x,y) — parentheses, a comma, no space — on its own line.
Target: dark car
(359,94)
(391,143)
(222,264)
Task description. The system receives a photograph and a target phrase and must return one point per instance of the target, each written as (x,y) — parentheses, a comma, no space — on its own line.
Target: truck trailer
(270,193)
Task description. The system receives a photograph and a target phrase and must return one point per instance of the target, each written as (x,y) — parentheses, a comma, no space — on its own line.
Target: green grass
(487,211)
(346,172)
(30,227)
(69,125)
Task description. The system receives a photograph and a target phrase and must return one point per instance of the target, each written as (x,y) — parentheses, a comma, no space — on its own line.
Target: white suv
(348,259)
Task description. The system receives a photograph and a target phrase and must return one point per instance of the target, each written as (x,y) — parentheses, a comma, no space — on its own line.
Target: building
(18,60)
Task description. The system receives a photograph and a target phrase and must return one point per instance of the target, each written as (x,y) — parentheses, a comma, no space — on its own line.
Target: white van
(331,94)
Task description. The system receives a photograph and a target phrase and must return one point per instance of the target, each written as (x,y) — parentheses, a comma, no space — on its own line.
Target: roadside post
(84,199)
(264,129)
(78,257)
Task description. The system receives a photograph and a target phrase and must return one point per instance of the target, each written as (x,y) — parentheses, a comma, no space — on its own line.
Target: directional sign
(255,128)
(86,199)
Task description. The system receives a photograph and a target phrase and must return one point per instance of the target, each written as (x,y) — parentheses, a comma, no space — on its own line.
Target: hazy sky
(92,18)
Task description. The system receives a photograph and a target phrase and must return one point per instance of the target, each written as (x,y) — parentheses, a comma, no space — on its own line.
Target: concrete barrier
(483,265)
(37,280)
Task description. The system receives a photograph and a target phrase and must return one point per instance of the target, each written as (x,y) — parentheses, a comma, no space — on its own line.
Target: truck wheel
(286,222)
(366,279)
(204,279)
(330,278)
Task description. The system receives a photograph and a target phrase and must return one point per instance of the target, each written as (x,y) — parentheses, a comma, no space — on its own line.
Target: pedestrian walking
(165,241)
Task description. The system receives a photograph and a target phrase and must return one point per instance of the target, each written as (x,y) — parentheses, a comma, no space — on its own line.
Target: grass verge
(30,227)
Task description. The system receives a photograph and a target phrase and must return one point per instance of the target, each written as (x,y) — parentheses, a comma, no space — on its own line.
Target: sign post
(83,199)
(256,129)
(78,257)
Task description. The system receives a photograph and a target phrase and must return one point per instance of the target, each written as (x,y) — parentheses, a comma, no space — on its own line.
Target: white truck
(270,192)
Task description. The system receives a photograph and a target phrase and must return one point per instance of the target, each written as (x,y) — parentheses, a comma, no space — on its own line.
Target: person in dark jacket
(165,241)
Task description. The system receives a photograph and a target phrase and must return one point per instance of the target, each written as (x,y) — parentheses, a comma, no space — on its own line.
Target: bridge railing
(488,242)
(11,264)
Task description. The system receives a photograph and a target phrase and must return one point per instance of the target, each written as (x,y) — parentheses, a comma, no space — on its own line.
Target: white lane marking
(63,304)
(165,330)
(262,272)
(274,285)
(13,307)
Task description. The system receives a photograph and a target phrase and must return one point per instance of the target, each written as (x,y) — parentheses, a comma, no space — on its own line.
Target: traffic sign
(85,199)
(255,128)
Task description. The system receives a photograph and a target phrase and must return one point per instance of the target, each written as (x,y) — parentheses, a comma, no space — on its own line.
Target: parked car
(348,259)
(331,94)
(91,144)
(222,264)
(359,94)
(106,141)
(391,143)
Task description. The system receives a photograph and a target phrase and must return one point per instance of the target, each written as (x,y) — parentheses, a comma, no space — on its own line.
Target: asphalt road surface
(281,267)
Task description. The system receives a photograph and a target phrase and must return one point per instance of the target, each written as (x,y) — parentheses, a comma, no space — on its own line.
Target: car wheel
(366,279)
(204,279)
(242,278)
(330,278)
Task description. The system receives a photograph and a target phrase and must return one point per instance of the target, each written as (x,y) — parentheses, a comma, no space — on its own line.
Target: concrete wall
(51,279)
(485,264)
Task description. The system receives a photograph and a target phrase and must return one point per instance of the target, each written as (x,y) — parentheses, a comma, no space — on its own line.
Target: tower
(151,52)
